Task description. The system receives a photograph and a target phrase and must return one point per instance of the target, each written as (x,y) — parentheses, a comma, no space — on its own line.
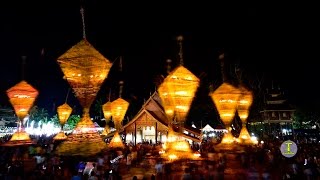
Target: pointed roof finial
(180,39)
(109,98)
(83,23)
(67,95)
(121,88)
(221,58)
(168,65)
(120,64)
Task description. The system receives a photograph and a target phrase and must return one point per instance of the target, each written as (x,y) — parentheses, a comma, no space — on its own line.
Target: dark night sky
(274,40)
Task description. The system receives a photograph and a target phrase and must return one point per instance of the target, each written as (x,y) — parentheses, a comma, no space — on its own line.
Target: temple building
(151,125)
(277,114)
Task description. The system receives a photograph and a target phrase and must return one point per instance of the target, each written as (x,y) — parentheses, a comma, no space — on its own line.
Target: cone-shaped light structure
(178,90)
(21,97)
(175,149)
(106,109)
(166,99)
(64,112)
(244,104)
(106,130)
(116,141)
(119,108)
(85,69)
(181,86)
(225,98)
(60,136)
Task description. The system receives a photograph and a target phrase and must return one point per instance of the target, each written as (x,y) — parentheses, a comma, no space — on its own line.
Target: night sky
(277,43)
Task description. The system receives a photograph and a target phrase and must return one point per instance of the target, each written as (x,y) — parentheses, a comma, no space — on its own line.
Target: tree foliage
(73,121)
(306,119)
(41,115)
(38,114)
(97,109)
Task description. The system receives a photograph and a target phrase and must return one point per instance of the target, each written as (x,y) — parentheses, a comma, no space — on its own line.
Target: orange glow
(60,136)
(85,69)
(244,134)
(118,110)
(64,112)
(166,100)
(116,141)
(106,130)
(226,99)
(244,104)
(22,97)
(177,92)
(178,149)
(20,136)
(106,108)
(227,138)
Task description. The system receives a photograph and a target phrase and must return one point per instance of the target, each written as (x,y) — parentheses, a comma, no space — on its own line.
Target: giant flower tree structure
(22,97)
(225,98)
(244,104)
(64,112)
(85,69)
(119,108)
(177,92)
(106,109)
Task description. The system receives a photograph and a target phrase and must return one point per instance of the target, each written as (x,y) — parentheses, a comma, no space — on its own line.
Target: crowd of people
(262,161)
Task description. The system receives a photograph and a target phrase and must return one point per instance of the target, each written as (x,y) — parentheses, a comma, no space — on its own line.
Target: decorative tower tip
(180,38)
(221,56)
(83,23)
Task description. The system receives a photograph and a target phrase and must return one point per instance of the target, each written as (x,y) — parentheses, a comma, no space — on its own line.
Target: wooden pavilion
(151,125)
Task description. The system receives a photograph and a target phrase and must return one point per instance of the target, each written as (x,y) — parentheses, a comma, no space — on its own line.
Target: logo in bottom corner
(288,148)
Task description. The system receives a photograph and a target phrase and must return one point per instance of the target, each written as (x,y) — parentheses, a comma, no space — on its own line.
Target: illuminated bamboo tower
(85,69)
(22,97)
(177,92)
(106,109)
(225,98)
(243,109)
(119,109)
(64,112)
